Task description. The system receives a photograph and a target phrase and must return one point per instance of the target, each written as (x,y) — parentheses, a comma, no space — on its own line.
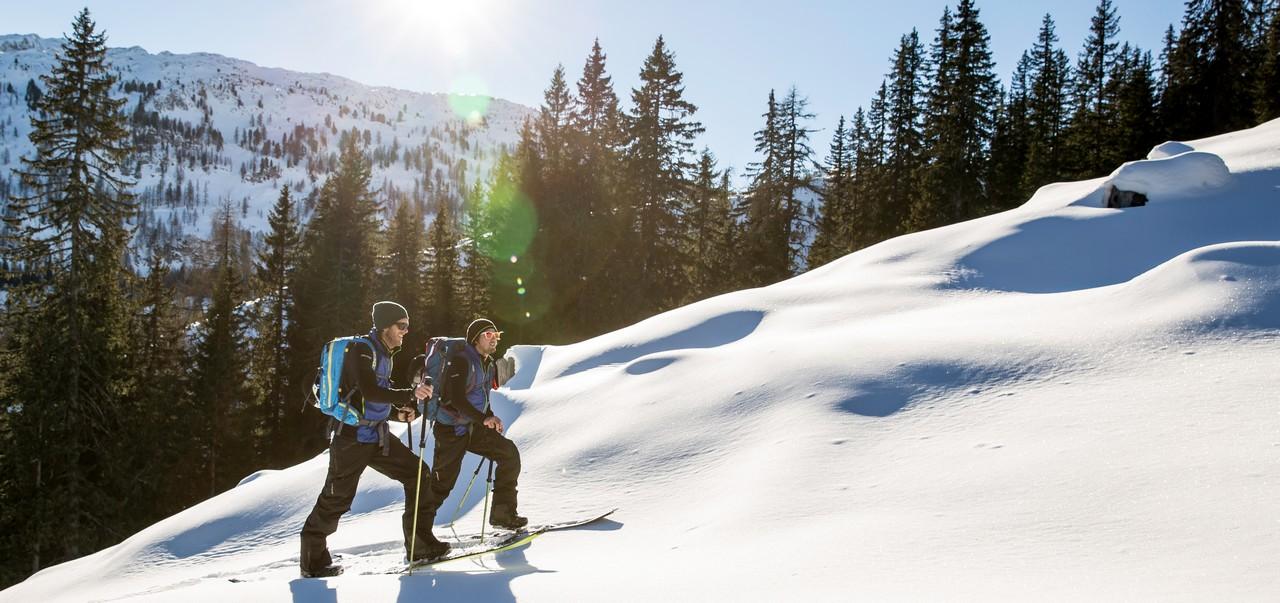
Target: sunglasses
(403,326)
(493,334)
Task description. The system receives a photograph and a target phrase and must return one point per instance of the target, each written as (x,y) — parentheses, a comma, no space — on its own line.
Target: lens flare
(469,98)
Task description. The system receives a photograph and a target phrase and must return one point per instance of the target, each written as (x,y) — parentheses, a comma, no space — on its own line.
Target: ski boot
(504,516)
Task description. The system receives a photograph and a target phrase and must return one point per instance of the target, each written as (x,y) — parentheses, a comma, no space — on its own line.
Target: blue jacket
(469,378)
(374,392)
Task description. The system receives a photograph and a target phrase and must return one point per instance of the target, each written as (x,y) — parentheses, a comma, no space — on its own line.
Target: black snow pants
(347,460)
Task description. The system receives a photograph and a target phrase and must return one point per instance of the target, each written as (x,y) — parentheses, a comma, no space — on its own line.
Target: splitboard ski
(471,545)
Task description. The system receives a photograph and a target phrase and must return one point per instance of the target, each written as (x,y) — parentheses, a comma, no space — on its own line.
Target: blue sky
(731,53)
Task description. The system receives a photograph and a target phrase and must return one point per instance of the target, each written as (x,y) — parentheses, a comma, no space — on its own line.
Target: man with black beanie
(368,445)
(469,377)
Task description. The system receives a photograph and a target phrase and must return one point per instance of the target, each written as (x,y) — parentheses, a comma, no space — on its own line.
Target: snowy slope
(1060,402)
(462,134)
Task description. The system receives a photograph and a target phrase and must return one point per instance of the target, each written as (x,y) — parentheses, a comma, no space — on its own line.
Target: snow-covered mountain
(1058,402)
(213,130)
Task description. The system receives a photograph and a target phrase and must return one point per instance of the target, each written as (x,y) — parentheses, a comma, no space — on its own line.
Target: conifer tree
(275,271)
(443,282)
(661,130)
(828,243)
(220,373)
(1089,137)
(858,228)
(765,244)
(1046,110)
(708,217)
(902,163)
(1133,93)
(403,269)
(1211,70)
(335,283)
(1267,89)
(958,120)
(797,163)
(67,235)
(162,405)
(477,260)
(602,213)
(1009,142)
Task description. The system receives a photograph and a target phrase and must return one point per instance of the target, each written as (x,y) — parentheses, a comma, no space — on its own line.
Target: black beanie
(386,313)
(477,327)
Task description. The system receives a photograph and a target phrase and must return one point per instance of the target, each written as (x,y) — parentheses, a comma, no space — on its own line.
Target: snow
(1058,402)
(1180,175)
(1168,149)
(238,92)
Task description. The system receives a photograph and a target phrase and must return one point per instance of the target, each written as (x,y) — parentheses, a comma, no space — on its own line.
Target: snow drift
(1061,401)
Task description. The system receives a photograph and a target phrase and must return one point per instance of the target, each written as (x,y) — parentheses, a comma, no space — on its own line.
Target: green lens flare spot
(469,98)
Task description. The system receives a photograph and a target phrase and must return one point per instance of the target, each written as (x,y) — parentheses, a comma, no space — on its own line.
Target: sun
(453,27)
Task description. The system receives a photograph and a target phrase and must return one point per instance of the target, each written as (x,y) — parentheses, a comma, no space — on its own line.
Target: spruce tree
(67,236)
(858,228)
(1133,94)
(162,406)
(275,271)
(1046,111)
(958,120)
(220,373)
(1009,142)
(797,163)
(708,217)
(1267,89)
(443,278)
(827,241)
(902,164)
(764,258)
(335,282)
(1212,70)
(661,131)
(477,254)
(403,268)
(601,219)
(1090,138)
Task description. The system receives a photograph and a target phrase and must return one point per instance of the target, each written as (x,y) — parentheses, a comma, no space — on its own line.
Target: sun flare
(454,27)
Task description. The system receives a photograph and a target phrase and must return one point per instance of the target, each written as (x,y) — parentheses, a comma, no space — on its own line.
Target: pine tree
(1211,71)
(601,219)
(827,241)
(334,285)
(68,238)
(958,120)
(764,258)
(1267,89)
(1009,142)
(477,262)
(1133,93)
(275,270)
(661,130)
(902,164)
(162,407)
(708,217)
(443,282)
(797,161)
(220,373)
(403,271)
(1046,111)
(1089,138)
(859,228)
